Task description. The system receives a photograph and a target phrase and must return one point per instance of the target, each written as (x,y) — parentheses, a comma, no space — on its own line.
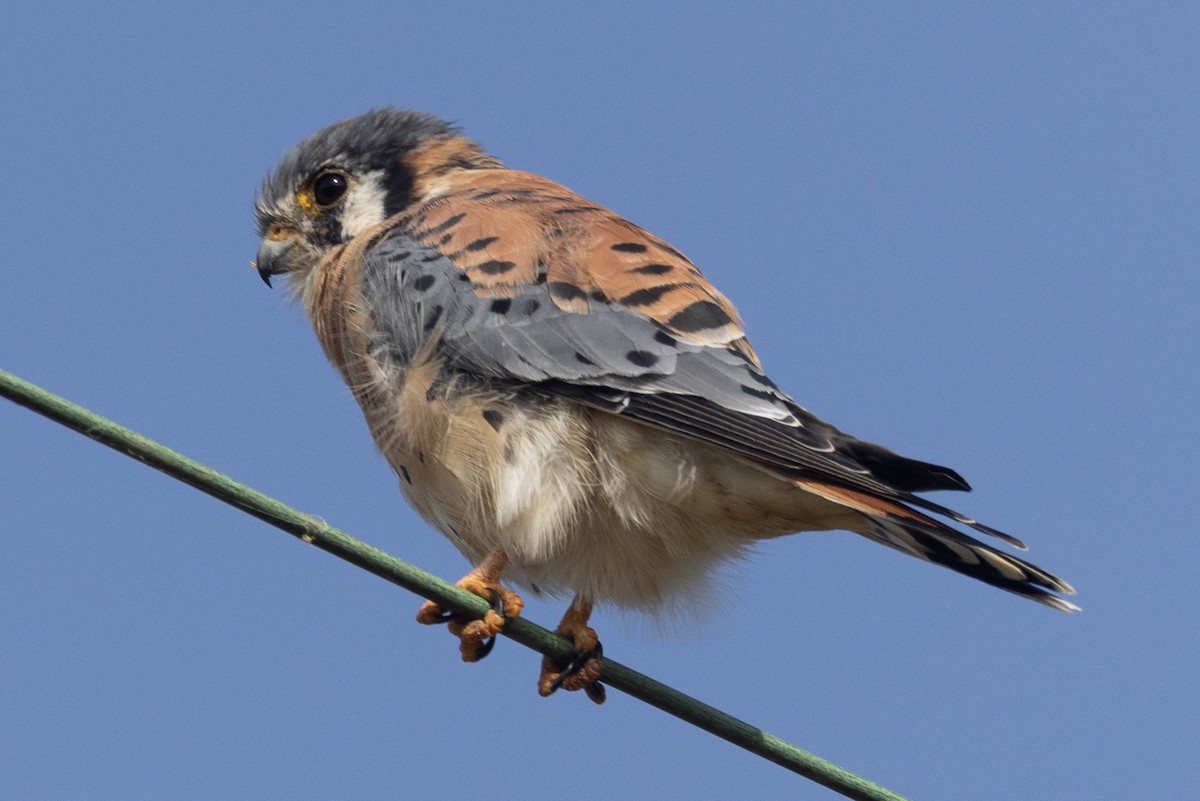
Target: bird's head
(341,181)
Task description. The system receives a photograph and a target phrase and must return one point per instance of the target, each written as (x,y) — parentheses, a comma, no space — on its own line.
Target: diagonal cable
(426,585)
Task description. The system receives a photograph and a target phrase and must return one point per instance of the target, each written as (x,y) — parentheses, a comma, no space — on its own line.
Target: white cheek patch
(364,205)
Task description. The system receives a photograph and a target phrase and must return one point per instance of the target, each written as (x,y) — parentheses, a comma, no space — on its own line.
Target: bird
(565,396)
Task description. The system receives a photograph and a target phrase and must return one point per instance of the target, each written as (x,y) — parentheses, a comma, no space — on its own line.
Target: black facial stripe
(397,184)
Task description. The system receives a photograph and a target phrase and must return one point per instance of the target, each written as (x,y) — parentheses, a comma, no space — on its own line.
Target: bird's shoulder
(509,230)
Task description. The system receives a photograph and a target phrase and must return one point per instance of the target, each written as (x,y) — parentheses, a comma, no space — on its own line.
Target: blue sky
(967,231)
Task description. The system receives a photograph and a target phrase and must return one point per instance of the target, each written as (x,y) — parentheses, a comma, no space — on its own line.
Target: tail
(898,526)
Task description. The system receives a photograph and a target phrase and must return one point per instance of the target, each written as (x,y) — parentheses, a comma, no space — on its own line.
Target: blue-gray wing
(613,358)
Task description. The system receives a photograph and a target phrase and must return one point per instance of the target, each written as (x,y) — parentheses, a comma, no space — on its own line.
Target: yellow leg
(583,672)
(483,581)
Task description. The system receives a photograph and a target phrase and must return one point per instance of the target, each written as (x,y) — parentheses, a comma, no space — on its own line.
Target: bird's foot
(478,635)
(582,671)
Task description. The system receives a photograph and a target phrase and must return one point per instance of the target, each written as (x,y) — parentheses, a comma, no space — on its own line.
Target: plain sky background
(968,231)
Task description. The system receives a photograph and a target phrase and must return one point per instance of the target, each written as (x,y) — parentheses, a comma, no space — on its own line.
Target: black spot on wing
(642,358)
(629,247)
(423,283)
(494,418)
(501,305)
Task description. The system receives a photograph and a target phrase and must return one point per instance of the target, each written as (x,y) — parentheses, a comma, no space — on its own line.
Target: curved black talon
(578,660)
(596,692)
(487,645)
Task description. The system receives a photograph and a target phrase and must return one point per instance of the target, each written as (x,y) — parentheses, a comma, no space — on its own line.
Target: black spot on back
(424,282)
(443,226)
(629,247)
(652,269)
(565,291)
(494,267)
(480,244)
(702,315)
(663,338)
(501,305)
(644,297)
(404,473)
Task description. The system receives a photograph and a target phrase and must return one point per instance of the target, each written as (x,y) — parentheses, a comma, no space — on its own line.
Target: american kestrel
(563,395)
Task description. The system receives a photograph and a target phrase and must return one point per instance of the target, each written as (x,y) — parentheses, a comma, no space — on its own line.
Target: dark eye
(329,188)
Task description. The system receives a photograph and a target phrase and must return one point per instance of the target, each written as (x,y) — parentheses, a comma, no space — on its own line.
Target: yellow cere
(305,198)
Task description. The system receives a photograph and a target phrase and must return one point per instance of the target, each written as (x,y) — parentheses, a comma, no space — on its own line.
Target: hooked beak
(272,255)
